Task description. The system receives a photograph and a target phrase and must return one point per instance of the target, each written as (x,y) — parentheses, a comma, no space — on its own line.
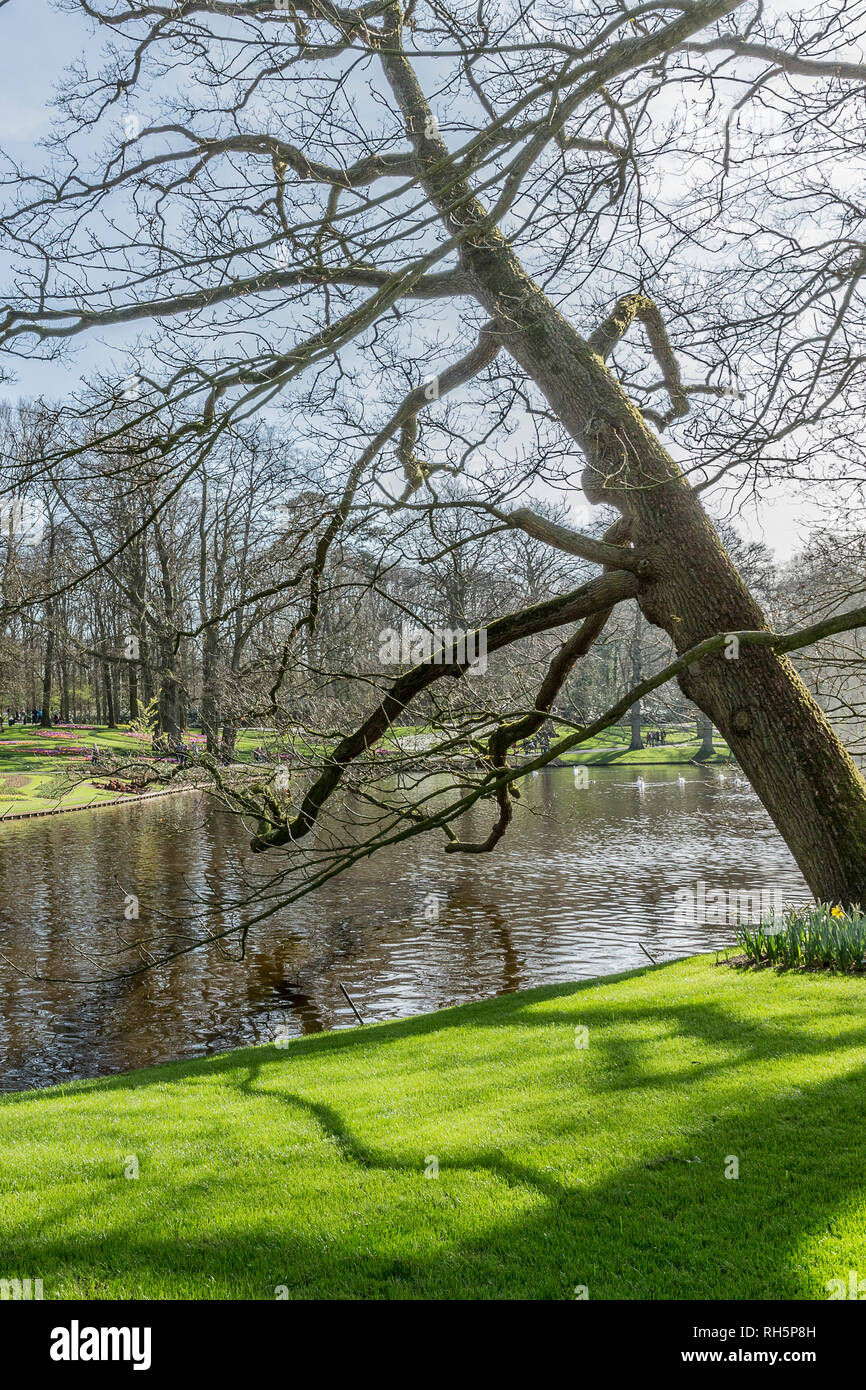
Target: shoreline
(136,797)
(129,799)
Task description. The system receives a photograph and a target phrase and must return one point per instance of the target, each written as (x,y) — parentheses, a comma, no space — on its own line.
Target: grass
(44,794)
(612,746)
(817,937)
(34,779)
(300,1172)
(33,741)
(601,755)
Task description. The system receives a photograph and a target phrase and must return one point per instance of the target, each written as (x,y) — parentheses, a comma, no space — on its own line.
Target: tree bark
(170,721)
(47,670)
(796,763)
(45,721)
(64,691)
(210,711)
(705,733)
(132,682)
(229,739)
(636,677)
(146,669)
(110,718)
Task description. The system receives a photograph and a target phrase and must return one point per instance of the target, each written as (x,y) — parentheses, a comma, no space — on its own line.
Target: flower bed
(61,751)
(114,785)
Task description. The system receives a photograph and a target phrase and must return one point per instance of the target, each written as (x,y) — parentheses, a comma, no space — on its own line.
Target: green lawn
(32,779)
(303,1168)
(119,740)
(612,746)
(600,754)
(39,779)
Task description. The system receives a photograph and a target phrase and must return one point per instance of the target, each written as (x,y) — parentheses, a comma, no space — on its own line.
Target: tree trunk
(796,763)
(132,680)
(146,668)
(635,712)
(45,721)
(110,718)
(170,703)
(634,719)
(47,670)
(64,691)
(794,760)
(210,712)
(705,734)
(230,733)
(169,706)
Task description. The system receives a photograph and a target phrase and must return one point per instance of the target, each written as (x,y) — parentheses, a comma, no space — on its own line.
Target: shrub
(818,936)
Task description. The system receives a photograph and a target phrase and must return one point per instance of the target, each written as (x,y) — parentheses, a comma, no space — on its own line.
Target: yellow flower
(837,911)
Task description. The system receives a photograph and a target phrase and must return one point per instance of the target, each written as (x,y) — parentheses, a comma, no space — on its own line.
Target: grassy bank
(559,1166)
(603,755)
(34,776)
(612,746)
(37,773)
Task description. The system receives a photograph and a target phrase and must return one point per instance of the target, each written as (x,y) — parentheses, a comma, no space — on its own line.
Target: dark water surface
(586,873)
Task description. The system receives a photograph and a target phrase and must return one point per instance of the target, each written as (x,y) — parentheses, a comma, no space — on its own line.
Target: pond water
(587,876)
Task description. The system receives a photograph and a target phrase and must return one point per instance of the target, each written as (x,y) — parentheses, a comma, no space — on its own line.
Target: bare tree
(443,234)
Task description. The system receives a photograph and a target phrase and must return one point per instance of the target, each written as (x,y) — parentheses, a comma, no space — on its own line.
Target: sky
(38,44)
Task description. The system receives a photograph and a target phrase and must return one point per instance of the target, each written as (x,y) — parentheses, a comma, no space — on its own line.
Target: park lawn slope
(300,1171)
(603,755)
(34,776)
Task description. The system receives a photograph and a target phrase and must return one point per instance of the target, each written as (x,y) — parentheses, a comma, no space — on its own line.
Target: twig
(351,1001)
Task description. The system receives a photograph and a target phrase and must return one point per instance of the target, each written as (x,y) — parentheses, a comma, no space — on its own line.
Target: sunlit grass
(300,1171)
(32,778)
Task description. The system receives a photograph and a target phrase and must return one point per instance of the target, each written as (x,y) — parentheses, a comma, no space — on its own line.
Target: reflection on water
(586,874)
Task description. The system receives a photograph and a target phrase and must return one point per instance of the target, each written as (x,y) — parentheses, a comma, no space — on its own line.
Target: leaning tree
(517,245)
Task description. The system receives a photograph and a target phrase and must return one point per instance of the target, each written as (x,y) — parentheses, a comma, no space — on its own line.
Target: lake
(587,876)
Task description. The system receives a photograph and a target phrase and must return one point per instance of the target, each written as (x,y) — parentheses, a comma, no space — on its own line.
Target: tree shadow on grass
(667,1223)
(655,1229)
